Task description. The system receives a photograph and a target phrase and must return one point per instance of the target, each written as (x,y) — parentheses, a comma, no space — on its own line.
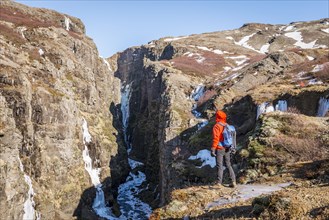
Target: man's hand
(233,151)
(213,152)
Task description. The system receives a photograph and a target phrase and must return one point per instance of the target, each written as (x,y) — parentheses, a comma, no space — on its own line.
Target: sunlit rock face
(51,78)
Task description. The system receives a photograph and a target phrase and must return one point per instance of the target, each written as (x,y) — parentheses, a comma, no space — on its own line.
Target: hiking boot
(233,184)
(219,184)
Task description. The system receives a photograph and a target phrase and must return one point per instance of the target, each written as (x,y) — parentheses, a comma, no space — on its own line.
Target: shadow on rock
(317,171)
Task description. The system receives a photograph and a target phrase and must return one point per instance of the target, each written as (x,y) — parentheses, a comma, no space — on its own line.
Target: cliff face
(51,79)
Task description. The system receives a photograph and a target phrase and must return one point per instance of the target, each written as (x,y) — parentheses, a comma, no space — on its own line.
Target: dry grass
(212,64)
(19,18)
(323,74)
(206,96)
(12,35)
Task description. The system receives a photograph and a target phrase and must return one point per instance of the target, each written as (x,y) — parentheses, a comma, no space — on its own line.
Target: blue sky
(117,25)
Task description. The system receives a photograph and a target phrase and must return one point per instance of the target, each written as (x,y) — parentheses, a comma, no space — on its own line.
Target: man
(218,151)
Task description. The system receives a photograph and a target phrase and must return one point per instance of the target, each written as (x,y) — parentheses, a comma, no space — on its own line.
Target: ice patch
(125,97)
(281,106)
(99,205)
(205,157)
(198,92)
(29,204)
(133,163)
(67,23)
(99,202)
(323,107)
(264,107)
(131,206)
(314,82)
(93,172)
(245,192)
(202,124)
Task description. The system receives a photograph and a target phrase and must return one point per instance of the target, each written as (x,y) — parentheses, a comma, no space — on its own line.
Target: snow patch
(218,52)
(41,52)
(107,63)
(244,42)
(204,48)
(297,36)
(196,56)
(227,68)
(239,59)
(289,28)
(264,48)
(325,30)
(174,39)
(310,58)
(320,67)
(205,157)
(229,38)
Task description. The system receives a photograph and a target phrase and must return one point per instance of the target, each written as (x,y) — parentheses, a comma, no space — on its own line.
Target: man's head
(220,116)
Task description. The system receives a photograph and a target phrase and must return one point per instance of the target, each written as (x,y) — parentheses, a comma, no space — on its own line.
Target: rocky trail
(284,196)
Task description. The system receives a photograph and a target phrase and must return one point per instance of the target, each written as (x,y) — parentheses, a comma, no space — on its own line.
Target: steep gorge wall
(159,111)
(51,79)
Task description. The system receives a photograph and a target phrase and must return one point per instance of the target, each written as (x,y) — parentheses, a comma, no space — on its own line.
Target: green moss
(256,149)
(202,138)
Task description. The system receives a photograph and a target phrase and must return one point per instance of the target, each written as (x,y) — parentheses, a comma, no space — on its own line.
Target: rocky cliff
(51,80)
(60,116)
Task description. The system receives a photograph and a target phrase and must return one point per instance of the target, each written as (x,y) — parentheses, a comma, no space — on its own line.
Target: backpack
(229,135)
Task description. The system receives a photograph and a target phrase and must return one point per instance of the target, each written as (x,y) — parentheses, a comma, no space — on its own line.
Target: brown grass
(12,35)
(206,96)
(323,75)
(21,19)
(75,35)
(212,64)
(256,58)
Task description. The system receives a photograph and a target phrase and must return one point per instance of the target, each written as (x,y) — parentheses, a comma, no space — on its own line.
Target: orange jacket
(217,131)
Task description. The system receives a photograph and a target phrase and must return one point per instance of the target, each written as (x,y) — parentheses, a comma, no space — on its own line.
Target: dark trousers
(220,154)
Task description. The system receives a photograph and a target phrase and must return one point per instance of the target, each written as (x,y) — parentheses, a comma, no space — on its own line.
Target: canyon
(129,136)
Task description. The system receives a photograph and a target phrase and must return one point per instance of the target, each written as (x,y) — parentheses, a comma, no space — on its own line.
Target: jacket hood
(220,116)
